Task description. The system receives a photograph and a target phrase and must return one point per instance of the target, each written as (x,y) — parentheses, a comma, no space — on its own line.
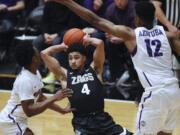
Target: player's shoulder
(24,76)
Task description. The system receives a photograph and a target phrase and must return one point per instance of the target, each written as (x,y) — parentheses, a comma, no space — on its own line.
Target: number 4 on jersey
(85,89)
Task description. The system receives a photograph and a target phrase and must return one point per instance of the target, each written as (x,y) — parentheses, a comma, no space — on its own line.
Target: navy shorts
(98,123)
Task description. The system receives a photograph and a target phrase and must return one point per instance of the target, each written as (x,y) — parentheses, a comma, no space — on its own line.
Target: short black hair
(24,53)
(77,48)
(145,10)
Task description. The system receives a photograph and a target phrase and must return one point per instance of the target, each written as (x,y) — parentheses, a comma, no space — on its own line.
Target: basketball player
(151,55)
(26,98)
(89,117)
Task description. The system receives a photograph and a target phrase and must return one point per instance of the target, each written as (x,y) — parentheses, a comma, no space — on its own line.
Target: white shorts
(8,128)
(158,110)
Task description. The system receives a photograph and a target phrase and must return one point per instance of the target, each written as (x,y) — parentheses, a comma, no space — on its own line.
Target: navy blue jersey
(88,91)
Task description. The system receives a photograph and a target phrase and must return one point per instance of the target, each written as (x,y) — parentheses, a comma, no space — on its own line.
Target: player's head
(145,13)
(77,56)
(27,55)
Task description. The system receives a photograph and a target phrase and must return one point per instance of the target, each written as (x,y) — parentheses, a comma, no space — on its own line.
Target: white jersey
(153,57)
(25,87)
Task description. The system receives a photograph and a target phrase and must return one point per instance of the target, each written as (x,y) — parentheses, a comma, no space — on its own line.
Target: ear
(84,59)
(34,59)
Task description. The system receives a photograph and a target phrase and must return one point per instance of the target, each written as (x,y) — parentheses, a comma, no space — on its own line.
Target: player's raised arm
(176,46)
(121,31)
(52,64)
(98,55)
(175,40)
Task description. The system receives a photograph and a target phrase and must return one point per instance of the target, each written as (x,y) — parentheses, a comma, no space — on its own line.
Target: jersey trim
(147,79)
(10,117)
(142,106)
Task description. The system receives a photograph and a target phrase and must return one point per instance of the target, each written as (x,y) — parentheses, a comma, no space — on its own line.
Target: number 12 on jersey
(156,44)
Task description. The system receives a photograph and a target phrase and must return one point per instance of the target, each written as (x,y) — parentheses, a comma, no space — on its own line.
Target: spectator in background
(9,12)
(120,12)
(97,6)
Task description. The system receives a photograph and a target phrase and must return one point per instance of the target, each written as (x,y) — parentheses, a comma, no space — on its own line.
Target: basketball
(73,35)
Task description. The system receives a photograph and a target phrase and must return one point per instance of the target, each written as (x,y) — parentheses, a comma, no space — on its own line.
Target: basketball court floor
(52,123)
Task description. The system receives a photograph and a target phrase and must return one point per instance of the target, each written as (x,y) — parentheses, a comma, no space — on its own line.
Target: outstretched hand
(63,94)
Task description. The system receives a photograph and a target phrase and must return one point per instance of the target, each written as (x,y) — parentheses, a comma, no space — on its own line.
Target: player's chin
(74,67)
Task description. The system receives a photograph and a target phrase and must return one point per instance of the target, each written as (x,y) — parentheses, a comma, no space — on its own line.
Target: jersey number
(85,89)
(149,45)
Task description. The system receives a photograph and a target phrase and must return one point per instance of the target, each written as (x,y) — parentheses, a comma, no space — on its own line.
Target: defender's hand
(63,94)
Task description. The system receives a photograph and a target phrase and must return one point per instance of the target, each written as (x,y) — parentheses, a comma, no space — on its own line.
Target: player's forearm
(51,62)
(52,50)
(47,55)
(98,55)
(160,15)
(40,107)
(56,108)
(52,106)
(176,46)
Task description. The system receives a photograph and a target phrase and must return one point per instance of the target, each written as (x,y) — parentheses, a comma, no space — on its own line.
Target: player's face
(76,60)
(121,3)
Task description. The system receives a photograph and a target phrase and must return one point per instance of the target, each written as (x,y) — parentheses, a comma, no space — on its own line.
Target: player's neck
(32,69)
(149,26)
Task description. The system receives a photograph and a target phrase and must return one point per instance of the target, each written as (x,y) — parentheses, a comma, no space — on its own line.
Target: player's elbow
(29,114)
(33,113)
(43,55)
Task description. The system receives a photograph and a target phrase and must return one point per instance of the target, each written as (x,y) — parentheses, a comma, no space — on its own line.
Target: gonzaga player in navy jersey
(89,117)
(151,55)
(87,88)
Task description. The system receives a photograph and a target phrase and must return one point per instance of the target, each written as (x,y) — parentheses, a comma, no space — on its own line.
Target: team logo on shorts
(143,123)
